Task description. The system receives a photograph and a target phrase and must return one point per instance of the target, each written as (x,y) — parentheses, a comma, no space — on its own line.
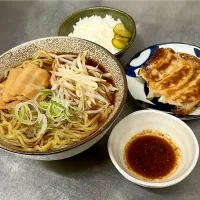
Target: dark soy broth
(151,155)
(94,63)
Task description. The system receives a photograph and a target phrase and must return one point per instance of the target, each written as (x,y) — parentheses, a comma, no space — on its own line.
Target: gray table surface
(91,175)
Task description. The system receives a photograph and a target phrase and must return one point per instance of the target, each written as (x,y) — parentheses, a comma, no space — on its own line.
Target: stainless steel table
(91,175)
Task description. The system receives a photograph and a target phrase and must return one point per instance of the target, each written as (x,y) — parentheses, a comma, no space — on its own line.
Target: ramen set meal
(54,100)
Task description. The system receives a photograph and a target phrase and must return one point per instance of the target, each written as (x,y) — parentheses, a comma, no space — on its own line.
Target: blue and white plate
(137,86)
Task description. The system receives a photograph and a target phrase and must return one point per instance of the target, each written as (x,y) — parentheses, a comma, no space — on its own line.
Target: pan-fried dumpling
(175,78)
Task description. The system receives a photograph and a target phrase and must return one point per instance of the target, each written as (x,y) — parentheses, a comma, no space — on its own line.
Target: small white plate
(137,86)
(176,129)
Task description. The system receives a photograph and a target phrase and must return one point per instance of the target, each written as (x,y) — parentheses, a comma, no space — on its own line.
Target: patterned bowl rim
(106,8)
(103,128)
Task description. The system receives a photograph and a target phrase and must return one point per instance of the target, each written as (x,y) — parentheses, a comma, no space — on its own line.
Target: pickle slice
(123,39)
(121,30)
(118,43)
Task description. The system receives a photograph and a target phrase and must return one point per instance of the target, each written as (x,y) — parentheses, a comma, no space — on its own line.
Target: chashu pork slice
(8,106)
(25,83)
(30,81)
(4,105)
(9,84)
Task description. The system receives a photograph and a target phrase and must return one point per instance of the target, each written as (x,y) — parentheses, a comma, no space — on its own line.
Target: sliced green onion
(43,94)
(24,114)
(43,105)
(57,112)
(43,121)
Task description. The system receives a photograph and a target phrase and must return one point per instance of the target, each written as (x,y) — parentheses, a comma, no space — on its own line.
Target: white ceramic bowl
(179,132)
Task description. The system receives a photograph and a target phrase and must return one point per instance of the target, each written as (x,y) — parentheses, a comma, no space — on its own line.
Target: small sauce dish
(170,127)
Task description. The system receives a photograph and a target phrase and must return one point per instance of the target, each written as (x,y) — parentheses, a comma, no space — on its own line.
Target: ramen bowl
(27,50)
(66,27)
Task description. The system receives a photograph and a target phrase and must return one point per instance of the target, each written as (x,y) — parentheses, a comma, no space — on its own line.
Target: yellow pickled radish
(118,43)
(123,39)
(121,30)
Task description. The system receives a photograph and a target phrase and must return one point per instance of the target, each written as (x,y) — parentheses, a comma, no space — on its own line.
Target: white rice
(98,30)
